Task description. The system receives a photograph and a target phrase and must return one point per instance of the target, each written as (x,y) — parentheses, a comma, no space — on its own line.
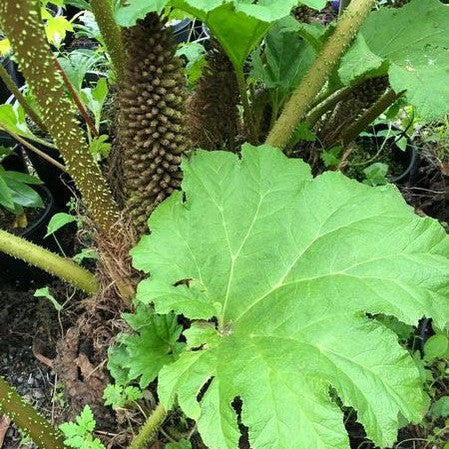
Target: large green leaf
(287,58)
(291,267)
(414,39)
(239,25)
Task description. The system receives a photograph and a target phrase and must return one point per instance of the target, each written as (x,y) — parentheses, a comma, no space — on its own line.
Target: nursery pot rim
(413,160)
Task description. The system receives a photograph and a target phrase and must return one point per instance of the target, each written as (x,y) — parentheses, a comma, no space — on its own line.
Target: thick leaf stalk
(111,33)
(21,22)
(27,419)
(151,128)
(12,87)
(304,95)
(46,260)
(213,109)
(149,429)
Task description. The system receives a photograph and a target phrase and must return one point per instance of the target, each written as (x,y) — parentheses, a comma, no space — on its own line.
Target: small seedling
(79,434)
(44,292)
(118,396)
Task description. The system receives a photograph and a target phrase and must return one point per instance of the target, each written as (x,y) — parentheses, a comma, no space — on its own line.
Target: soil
(29,329)
(7,220)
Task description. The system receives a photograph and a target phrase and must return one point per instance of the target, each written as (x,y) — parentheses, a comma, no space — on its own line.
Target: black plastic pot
(189,31)
(13,71)
(14,161)
(57,181)
(408,158)
(14,270)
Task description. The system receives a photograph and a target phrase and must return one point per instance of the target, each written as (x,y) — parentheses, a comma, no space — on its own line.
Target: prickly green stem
(51,263)
(27,419)
(19,19)
(304,95)
(11,85)
(369,116)
(149,429)
(111,33)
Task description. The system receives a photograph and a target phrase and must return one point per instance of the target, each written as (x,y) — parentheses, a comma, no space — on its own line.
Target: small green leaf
(303,132)
(376,174)
(436,347)
(182,444)
(141,356)
(331,157)
(440,408)
(58,221)
(5,151)
(5,47)
(200,334)
(78,434)
(85,253)
(194,53)
(45,293)
(100,147)
(94,98)
(86,420)
(118,396)
(13,119)
(56,29)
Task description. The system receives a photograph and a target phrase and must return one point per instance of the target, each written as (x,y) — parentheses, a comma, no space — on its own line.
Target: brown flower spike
(151,122)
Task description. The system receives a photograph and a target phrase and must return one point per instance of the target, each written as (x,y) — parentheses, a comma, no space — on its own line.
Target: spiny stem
(111,33)
(26,418)
(77,99)
(149,429)
(19,19)
(33,148)
(12,87)
(59,266)
(304,95)
(369,116)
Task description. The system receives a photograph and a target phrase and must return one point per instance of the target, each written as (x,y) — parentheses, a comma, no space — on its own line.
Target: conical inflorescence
(151,121)
(213,116)
(361,98)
